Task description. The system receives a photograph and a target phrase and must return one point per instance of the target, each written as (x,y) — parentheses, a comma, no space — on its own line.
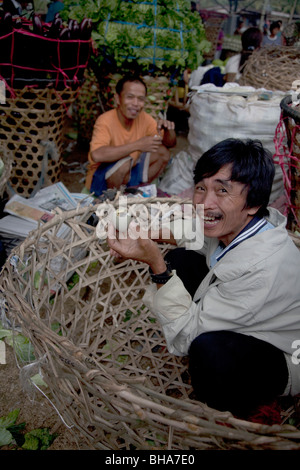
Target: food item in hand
(121,220)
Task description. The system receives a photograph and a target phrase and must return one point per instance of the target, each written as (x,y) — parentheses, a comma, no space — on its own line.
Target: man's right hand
(110,154)
(149,143)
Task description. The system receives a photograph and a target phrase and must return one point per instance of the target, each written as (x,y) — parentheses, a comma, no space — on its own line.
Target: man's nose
(207,198)
(210,200)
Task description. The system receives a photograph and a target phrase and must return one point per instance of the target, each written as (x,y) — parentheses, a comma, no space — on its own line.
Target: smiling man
(128,146)
(234,306)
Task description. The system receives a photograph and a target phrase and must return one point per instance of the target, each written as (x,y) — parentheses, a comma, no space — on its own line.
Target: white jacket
(254,289)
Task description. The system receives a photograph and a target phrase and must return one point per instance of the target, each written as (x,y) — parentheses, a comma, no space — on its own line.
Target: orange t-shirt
(108,130)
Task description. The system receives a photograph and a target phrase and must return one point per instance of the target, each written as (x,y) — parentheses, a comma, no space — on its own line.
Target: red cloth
(267,414)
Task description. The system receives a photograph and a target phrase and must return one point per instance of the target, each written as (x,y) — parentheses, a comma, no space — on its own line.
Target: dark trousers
(229,371)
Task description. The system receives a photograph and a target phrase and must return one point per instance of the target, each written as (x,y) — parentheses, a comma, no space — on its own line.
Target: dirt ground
(36,413)
(40,413)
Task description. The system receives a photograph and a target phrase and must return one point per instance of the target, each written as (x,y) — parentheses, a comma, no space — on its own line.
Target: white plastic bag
(234,112)
(179,175)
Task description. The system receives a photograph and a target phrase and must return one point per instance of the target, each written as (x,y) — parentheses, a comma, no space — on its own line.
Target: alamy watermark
(296,353)
(154,220)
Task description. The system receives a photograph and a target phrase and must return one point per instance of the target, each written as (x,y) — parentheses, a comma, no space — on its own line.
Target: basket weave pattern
(87,106)
(5,175)
(107,365)
(212,22)
(31,122)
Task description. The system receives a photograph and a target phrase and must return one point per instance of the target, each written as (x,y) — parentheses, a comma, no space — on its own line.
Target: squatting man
(128,146)
(232,306)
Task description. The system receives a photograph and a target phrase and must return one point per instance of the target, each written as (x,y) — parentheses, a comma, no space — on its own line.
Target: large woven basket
(31,123)
(6,172)
(272,67)
(212,22)
(102,353)
(87,106)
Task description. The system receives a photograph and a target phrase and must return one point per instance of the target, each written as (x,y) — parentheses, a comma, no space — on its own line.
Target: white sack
(179,175)
(197,75)
(219,114)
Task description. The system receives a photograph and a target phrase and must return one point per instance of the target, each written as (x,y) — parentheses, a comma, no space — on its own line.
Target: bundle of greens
(152,36)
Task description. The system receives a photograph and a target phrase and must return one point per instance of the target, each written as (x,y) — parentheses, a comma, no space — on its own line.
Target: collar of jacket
(247,254)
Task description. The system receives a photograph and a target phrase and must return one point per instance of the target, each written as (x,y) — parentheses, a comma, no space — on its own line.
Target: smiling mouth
(211,219)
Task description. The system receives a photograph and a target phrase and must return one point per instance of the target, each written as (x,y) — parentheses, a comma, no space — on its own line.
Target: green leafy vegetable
(6,437)
(38,439)
(10,419)
(22,346)
(160,35)
(13,434)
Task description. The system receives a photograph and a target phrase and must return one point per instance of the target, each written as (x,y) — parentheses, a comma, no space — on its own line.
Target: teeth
(210,220)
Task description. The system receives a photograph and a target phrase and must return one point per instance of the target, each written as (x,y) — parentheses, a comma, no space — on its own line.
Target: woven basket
(31,123)
(6,172)
(232,43)
(212,22)
(272,67)
(106,364)
(88,106)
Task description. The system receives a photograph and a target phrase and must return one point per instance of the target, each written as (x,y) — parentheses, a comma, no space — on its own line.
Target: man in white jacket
(234,306)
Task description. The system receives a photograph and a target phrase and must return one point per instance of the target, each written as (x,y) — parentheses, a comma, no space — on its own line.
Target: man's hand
(169,134)
(164,124)
(139,248)
(149,143)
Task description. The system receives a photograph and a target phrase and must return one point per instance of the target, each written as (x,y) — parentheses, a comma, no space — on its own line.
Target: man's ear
(117,99)
(253,210)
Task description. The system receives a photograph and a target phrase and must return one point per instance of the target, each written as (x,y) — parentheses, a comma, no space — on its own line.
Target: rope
(284,157)
(66,72)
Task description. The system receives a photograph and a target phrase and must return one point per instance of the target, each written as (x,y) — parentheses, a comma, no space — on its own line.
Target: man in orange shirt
(128,146)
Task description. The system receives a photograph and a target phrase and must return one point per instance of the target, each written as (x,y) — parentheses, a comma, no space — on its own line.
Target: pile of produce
(34,52)
(220,63)
(150,36)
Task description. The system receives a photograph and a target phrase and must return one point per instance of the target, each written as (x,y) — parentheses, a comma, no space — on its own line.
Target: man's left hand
(164,124)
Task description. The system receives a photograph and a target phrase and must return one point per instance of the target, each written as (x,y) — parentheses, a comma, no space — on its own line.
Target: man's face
(224,202)
(131,99)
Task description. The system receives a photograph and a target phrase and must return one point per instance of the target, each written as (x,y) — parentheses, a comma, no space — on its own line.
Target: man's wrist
(161,277)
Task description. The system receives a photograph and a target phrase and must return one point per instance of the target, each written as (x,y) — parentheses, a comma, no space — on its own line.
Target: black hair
(129,78)
(274,25)
(252,165)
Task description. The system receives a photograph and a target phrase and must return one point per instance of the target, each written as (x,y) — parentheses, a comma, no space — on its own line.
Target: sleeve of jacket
(233,305)
(176,311)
